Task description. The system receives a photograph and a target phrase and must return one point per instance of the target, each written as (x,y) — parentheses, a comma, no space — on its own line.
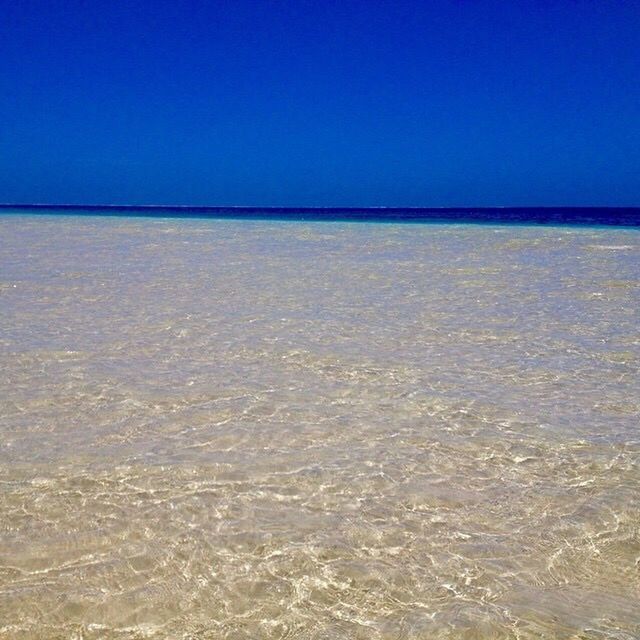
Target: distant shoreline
(607,216)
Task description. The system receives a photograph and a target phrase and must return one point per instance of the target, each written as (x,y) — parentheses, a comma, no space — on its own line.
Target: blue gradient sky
(321,103)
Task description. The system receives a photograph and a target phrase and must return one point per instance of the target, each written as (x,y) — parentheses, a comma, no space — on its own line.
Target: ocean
(257,428)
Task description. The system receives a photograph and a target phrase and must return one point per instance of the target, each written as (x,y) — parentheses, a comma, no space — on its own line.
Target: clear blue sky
(442,103)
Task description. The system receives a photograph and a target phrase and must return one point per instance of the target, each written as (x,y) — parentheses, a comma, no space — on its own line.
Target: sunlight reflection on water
(222,429)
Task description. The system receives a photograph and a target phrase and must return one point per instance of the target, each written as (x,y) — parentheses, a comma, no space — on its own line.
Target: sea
(259,424)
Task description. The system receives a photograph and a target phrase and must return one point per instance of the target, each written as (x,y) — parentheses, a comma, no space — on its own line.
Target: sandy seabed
(252,430)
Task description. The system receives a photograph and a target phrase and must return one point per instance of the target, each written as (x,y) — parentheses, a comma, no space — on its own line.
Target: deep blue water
(609,216)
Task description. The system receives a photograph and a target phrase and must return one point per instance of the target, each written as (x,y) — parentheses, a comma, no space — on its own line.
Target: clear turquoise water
(260,429)
(556,216)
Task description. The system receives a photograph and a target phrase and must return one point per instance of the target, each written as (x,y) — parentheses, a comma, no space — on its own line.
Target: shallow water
(223,429)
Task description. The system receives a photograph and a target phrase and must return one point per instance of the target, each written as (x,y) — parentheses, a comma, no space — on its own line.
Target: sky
(321,103)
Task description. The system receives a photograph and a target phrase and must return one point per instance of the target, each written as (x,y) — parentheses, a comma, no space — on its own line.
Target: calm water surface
(252,430)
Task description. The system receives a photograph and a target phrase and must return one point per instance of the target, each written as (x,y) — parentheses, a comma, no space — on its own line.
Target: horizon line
(6,205)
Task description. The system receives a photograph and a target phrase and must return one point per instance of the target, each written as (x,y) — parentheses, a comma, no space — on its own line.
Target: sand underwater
(261,429)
